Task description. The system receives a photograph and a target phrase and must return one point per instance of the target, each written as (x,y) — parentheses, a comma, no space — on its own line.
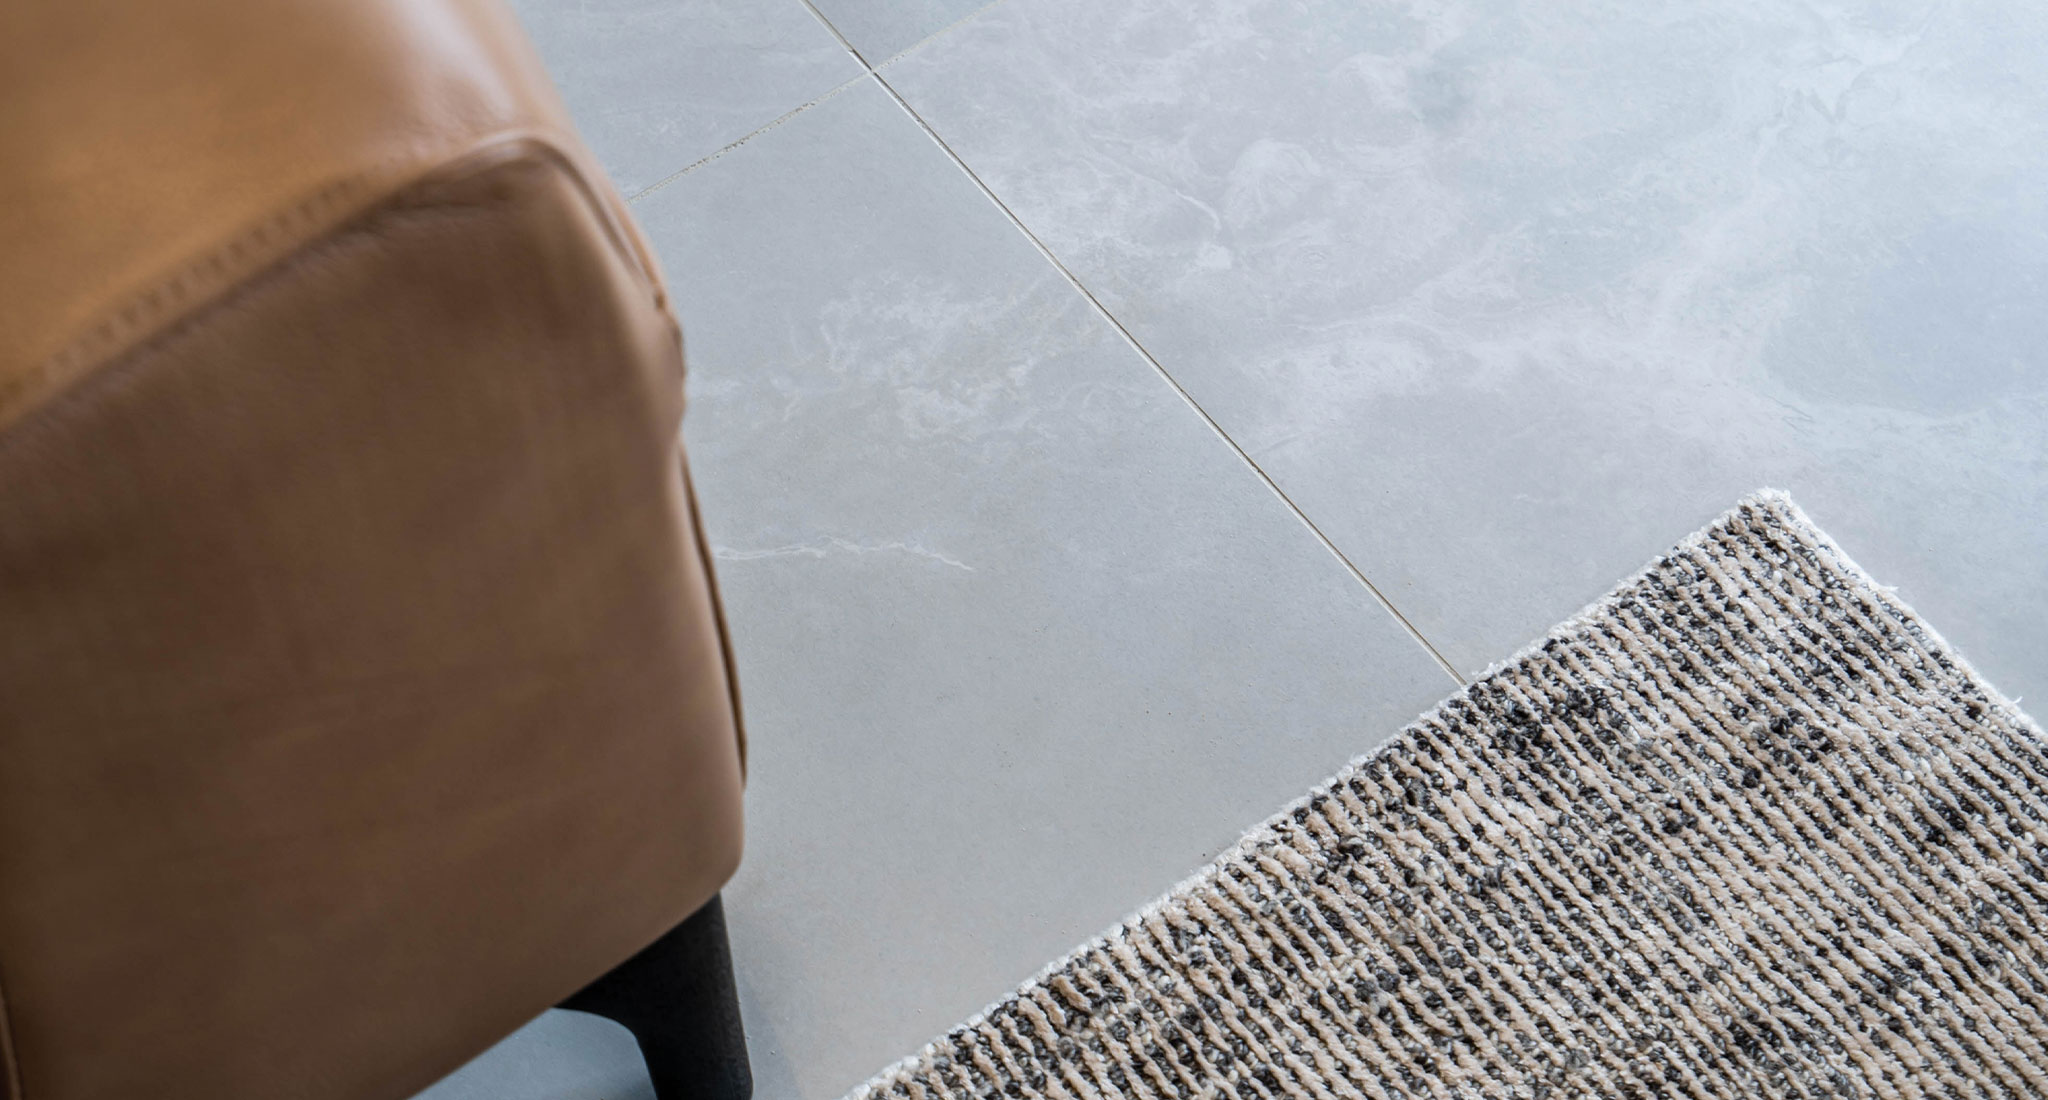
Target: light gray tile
(1022,642)
(1510,295)
(560,1056)
(881,29)
(655,85)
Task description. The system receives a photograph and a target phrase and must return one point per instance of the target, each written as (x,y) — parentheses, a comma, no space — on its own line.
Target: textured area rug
(1744,828)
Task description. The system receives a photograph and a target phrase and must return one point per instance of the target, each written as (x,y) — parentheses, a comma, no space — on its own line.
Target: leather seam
(271,240)
(184,290)
(325,214)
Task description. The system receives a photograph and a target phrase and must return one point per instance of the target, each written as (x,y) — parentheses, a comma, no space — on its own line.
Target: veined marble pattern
(1503,294)
(1019,636)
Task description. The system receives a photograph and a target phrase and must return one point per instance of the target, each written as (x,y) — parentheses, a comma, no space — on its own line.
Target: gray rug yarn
(1744,828)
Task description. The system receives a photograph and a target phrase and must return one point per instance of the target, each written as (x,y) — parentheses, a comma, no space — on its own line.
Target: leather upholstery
(363,689)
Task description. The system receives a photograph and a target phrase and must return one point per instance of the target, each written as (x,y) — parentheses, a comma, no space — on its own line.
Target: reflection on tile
(1510,294)
(881,29)
(560,1056)
(1022,642)
(656,85)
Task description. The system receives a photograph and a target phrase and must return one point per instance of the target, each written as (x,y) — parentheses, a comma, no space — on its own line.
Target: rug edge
(2006,705)
(1779,499)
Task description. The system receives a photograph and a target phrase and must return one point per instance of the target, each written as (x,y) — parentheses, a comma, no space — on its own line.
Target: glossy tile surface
(1022,641)
(1511,295)
(1507,296)
(656,85)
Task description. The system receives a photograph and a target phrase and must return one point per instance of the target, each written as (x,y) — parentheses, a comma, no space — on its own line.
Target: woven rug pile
(1744,828)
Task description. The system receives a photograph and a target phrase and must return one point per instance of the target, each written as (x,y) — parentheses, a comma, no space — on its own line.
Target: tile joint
(1130,338)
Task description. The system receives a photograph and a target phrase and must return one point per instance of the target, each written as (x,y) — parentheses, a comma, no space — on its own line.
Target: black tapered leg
(678,999)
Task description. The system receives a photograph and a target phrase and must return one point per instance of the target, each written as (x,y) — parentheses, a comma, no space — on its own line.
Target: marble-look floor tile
(560,1056)
(656,85)
(1510,294)
(881,29)
(1022,641)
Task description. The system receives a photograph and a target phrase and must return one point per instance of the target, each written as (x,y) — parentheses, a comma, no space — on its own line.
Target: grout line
(906,51)
(1449,669)
(784,117)
(1129,338)
(844,44)
(866,71)
(937,34)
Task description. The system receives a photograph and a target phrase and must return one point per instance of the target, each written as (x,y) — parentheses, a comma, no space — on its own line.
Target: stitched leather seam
(183,290)
(272,239)
(272,242)
(329,209)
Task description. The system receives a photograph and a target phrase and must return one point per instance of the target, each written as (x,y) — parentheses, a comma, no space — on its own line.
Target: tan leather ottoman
(363,690)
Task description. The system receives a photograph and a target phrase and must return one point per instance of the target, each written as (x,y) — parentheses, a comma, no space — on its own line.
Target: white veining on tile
(1501,293)
(996,594)
(1123,331)
(838,545)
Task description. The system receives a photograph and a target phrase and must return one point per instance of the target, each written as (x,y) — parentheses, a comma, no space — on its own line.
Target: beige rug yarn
(1744,828)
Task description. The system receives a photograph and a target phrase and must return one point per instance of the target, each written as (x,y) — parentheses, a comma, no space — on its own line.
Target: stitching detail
(181,290)
(270,239)
(272,242)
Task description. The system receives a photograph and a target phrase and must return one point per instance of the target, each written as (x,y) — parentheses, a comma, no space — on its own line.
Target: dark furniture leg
(677,998)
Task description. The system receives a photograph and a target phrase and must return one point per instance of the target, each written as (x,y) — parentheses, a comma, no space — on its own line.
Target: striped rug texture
(1744,828)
